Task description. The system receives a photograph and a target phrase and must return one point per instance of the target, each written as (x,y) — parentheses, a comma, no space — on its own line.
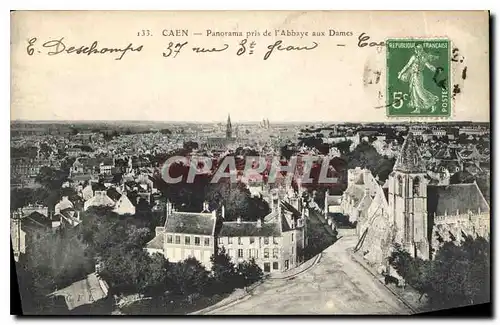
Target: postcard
(250,162)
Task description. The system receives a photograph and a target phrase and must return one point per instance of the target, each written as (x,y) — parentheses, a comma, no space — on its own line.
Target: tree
(188,277)
(125,271)
(190,145)
(51,179)
(344,146)
(249,272)
(366,156)
(57,260)
(224,272)
(156,280)
(457,276)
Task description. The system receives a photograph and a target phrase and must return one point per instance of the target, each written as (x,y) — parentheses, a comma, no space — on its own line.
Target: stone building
(186,234)
(276,242)
(222,143)
(410,211)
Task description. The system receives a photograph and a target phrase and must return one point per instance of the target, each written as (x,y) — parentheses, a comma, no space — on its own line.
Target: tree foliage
(249,272)
(225,276)
(57,260)
(458,275)
(366,156)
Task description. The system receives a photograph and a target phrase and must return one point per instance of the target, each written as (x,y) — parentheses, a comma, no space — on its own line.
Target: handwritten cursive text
(58,46)
(279,47)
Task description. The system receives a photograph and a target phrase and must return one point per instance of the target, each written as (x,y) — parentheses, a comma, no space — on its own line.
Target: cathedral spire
(229,128)
(410,160)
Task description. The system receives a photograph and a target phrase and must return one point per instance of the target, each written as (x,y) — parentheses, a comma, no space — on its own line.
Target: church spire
(410,160)
(229,128)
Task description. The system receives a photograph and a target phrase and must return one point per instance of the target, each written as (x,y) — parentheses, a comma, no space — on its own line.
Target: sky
(327,83)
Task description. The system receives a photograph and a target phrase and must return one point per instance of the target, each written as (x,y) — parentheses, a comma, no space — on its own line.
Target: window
(275,240)
(266,240)
(229,240)
(275,253)
(275,265)
(266,252)
(292,250)
(252,240)
(240,242)
(416,186)
(256,251)
(400,186)
(187,240)
(267,267)
(240,253)
(250,255)
(207,241)
(197,241)
(169,239)
(177,239)
(292,236)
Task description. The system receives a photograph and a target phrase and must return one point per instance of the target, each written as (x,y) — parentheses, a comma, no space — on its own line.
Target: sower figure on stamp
(413,72)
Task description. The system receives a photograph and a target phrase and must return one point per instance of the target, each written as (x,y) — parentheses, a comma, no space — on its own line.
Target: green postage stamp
(418,77)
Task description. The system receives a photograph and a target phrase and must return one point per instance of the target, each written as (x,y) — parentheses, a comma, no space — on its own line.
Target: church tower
(229,128)
(408,200)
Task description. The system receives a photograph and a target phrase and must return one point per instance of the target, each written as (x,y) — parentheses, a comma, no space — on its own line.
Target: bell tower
(229,128)
(408,200)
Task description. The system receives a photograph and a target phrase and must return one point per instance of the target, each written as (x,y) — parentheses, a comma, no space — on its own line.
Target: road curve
(336,285)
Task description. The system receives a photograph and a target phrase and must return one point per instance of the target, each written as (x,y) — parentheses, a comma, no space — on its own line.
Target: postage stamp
(418,77)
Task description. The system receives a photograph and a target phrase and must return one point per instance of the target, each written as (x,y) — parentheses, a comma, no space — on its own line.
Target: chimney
(259,223)
(238,220)
(168,207)
(205,206)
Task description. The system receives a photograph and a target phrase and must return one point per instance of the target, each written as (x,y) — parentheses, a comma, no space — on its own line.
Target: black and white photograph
(250,163)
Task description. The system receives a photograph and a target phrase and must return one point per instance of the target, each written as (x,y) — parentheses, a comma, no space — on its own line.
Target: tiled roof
(36,221)
(157,242)
(249,229)
(452,198)
(113,194)
(83,292)
(190,223)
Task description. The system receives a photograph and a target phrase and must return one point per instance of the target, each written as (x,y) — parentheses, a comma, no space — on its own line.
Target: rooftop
(191,223)
(249,229)
(449,199)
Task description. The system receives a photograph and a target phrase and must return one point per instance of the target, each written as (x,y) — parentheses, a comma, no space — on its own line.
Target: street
(336,285)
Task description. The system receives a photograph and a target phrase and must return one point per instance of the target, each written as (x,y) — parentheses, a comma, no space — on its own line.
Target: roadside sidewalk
(298,270)
(408,296)
(242,294)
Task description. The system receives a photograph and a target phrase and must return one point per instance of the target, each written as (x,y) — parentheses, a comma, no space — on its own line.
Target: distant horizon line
(248,121)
